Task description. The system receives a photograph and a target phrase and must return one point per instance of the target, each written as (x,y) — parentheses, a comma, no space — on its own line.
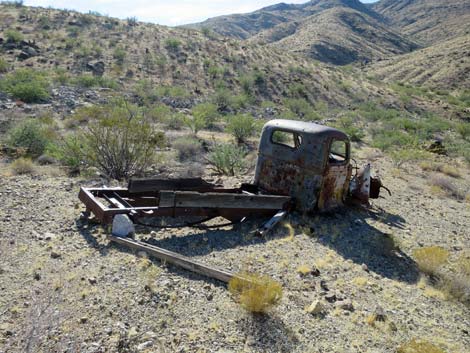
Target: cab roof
(306,128)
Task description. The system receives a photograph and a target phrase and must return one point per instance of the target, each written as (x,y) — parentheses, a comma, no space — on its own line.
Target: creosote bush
(22,166)
(419,346)
(241,126)
(122,142)
(27,85)
(227,159)
(30,136)
(255,293)
(188,148)
(429,259)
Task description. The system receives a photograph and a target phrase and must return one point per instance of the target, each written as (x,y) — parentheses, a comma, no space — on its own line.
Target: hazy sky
(166,12)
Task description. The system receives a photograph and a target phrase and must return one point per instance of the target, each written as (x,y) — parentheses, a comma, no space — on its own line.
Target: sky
(164,12)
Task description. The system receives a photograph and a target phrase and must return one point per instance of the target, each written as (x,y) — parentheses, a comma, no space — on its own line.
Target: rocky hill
(342,32)
(427,21)
(340,35)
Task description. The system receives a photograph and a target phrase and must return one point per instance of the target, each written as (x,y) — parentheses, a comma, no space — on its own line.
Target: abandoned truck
(301,166)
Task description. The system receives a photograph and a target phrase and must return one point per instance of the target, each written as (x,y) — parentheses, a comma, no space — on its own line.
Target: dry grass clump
(304,270)
(419,346)
(446,185)
(429,259)
(22,166)
(255,293)
(440,167)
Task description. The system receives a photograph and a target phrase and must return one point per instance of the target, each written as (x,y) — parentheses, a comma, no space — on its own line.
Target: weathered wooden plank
(149,185)
(222,200)
(175,259)
(269,225)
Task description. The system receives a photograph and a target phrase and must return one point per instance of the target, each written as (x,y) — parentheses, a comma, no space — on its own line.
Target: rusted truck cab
(307,161)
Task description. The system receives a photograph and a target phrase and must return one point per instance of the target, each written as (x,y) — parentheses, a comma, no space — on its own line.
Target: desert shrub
(89,81)
(255,293)
(28,85)
(195,123)
(372,112)
(387,139)
(132,21)
(13,36)
(121,143)
(350,127)
(22,166)
(241,126)
(171,91)
(301,108)
(172,44)
(30,136)
(159,113)
(406,155)
(419,346)
(188,148)
(464,130)
(227,159)
(297,90)
(446,185)
(70,152)
(4,66)
(429,259)
(119,55)
(241,101)
(223,99)
(247,84)
(175,121)
(206,112)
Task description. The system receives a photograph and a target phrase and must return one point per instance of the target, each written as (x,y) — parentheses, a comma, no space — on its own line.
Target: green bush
(351,127)
(206,112)
(188,148)
(301,108)
(171,91)
(121,143)
(28,85)
(22,166)
(119,55)
(159,113)
(195,123)
(386,139)
(4,66)
(227,159)
(241,126)
(172,44)
(30,136)
(464,130)
(13,36)
(70,151)
(223,99)
(89,81)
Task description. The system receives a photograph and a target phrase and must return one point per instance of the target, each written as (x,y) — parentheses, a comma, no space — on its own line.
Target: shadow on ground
(347,232)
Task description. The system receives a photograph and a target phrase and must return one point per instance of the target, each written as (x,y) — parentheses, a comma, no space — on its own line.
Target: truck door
(336,175)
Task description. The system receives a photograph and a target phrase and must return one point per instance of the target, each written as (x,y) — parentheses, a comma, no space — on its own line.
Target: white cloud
(170,13)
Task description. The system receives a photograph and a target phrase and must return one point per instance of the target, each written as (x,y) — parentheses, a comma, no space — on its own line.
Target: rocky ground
(65,288)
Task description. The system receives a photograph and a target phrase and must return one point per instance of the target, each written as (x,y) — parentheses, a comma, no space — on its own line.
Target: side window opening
(338,152)
(286,138)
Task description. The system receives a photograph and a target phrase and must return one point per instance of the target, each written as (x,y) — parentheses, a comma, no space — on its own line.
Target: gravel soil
(65,288)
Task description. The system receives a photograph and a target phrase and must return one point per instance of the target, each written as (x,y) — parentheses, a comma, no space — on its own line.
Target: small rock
(83,319)
(144,345)
(122,226)
(345,304)
(365,268)
(132,332)
(92,280)
(316,308)
(49,236)
(330,297)
(55,254)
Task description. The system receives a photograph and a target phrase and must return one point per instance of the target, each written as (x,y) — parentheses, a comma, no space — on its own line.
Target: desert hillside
(87,100)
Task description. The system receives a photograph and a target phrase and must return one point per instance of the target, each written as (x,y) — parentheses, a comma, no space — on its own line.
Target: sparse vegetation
(28,85)
(429,259)
(241,126)
(13,36)
(188,148)
(4,66)
(447,186)
(255,293)
(121,143)
(227,159)
(22,166)
(419,346)
(30,136)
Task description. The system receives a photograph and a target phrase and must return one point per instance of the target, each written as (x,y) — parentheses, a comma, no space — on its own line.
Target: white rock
(316,308)
(122,226)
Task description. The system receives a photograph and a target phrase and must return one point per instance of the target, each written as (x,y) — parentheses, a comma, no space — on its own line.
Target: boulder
(122,226)
(96,67)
